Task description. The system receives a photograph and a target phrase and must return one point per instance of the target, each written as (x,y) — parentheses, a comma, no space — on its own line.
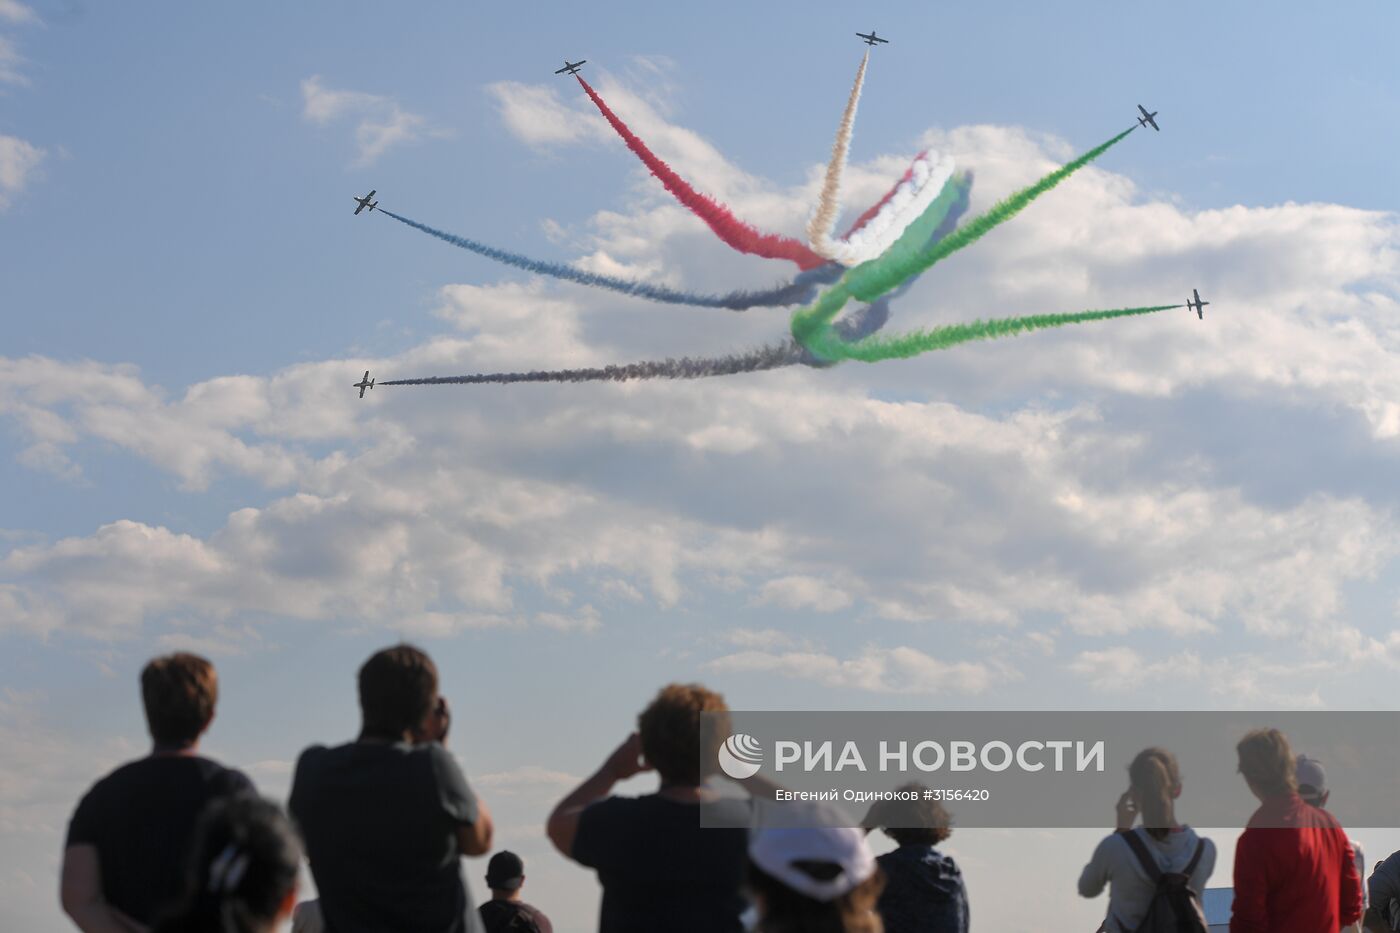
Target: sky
(1148,514)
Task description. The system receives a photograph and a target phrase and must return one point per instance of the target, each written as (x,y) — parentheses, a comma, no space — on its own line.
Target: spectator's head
(814,880)
(398,690)
(1312,781)
(505,873)
(242,871)
(179,692)
(1155,782)
(1266,762)
(670,733)
(916,822)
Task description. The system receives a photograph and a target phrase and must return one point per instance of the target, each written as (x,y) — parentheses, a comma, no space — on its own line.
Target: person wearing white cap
(819,879)
(1312,787)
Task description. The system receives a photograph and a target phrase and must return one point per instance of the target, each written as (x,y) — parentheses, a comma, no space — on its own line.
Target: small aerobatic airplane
(365,383)
(1197,304)
(1147,118)
(872,38)
(571,68)
(365,202)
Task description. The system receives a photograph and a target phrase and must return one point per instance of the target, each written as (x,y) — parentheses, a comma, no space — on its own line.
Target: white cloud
(989,493)
(15,12)
(878,670)
(1246,682)
(799,592)
(380,122)
(11,63)
(19,159)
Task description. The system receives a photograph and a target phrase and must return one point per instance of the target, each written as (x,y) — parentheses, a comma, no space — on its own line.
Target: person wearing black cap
(506,912)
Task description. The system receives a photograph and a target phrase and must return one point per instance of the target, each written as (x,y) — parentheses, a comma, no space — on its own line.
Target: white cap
(779,851)
(1310,775)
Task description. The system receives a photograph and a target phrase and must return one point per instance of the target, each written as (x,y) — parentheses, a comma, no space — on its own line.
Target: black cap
(505,871)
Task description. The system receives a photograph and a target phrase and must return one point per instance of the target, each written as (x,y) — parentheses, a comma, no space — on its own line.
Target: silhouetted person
(506,912)
(1293,867)
(387,818)
(242,871)
(659,869)
(124,860)
(1121,860)
(924,888)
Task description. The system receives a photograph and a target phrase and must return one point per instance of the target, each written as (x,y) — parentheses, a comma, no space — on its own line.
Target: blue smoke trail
(799,291)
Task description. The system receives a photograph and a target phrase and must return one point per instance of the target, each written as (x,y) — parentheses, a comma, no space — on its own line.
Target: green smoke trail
(872,279)
(903,346)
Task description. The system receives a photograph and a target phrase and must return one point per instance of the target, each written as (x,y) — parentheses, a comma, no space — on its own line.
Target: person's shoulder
(219,776)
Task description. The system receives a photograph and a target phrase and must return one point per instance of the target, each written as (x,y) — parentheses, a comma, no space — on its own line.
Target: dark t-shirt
(659,869)
(380,826)
(141,818)
(513,917)
(924,892)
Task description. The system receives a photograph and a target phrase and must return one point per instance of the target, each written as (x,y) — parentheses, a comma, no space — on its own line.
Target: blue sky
(1143,514)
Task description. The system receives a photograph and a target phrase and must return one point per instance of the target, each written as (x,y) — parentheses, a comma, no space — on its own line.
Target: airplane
(571,67)
(365,383)
(365,202)
(1197,305)
(872,38)
(1146,118)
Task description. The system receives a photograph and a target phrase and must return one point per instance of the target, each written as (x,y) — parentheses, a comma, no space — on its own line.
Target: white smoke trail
(927,177)
(823,222)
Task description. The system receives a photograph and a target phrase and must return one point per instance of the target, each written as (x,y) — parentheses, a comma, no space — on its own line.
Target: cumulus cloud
(13,11)
(19,159)
(380,122)
(878,670)
(1086,481)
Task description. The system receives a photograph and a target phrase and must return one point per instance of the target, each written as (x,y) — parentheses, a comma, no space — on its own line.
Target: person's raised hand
(1125,812)
(626,759)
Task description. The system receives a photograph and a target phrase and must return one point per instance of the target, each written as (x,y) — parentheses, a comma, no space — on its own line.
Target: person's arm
(623,763)
(474,838)
(1350,907)
(1095,875)
(80,892)
(475,829)
(1250,912)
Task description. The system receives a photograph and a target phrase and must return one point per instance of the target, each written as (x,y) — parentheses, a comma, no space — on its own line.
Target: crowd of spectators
(175,842)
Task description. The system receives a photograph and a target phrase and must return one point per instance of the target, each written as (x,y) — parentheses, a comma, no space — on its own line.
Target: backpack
(1175,908)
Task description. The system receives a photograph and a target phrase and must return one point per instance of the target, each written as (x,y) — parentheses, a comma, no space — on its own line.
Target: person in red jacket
(1294,871)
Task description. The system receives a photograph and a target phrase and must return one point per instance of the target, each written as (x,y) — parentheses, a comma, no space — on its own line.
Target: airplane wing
(370,195)
(360,208)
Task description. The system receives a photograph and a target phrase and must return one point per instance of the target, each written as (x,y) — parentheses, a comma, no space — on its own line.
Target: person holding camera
(387,818)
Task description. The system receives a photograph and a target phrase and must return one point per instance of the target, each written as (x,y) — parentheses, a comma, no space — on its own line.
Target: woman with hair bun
(1121,860)
(242,871)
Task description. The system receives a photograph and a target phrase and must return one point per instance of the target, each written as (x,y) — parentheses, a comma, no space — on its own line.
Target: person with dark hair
(924,888)
(1294,871)
(1131,860)
(242,871)
(819,879)
(506,912)
(659,869)
(124,857)
(387,818)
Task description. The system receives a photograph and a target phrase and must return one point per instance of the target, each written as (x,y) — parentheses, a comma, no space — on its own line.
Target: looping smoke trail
(799,290)
(850,329)
(871,279)
(879,348)
(930,177)
(823,222)
(730,229)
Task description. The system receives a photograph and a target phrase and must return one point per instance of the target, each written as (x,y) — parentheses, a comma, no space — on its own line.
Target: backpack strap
(1190,868)
(1144,857)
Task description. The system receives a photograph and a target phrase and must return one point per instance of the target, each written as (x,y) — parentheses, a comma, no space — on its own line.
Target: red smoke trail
(722,221)
(865,218)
